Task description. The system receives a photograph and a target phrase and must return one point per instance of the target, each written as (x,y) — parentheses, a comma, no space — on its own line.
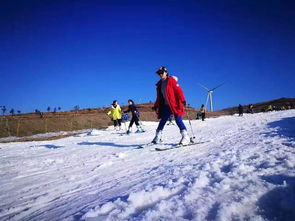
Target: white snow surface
(45,135)
(244,171)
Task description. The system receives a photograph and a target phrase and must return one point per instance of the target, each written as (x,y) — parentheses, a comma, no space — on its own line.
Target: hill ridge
(36,123)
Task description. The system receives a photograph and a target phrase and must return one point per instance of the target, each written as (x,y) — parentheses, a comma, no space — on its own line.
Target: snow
(245,172)
(45,135)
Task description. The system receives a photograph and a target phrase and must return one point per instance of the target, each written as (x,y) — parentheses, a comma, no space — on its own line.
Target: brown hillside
(31,124)
(277,104)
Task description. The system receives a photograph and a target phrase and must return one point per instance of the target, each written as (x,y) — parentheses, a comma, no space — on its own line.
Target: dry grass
(24,125)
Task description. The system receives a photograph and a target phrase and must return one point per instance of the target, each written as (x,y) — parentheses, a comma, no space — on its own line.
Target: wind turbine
(209,95)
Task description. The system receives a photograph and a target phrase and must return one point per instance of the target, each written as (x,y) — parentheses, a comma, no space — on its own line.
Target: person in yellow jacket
(269,108)
(203,112)
(116,114)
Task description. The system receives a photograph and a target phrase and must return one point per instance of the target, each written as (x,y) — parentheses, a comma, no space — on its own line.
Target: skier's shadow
(285,127)
(278,203)
(106,144)
(50,146)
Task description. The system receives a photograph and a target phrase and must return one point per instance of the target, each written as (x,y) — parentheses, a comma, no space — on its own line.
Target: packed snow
(44,135)
(244,169)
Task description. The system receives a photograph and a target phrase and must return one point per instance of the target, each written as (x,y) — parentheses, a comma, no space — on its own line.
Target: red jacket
(175,97)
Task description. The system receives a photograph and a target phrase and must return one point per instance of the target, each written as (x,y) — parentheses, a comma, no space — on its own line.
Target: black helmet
(161,70)
(115,101)
(131,101)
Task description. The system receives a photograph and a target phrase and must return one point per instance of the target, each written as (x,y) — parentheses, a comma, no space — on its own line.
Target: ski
(128,134)
(167,146)
(159,145)
(175,146)
(144,145)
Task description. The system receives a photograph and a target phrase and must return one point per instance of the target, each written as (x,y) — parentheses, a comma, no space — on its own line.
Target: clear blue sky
(88,53)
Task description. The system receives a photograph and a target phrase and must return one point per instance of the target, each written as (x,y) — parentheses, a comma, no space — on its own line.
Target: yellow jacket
(203,110)
(115,112)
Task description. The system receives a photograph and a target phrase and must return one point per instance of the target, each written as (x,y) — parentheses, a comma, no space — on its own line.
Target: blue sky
(88,53)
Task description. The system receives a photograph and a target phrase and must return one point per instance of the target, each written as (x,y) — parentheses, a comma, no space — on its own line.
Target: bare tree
(3,108)
(11,111)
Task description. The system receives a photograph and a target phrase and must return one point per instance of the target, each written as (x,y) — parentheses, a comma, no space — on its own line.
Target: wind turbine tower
(209,95)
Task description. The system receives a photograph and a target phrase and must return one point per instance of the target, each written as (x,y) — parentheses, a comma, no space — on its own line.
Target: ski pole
(188,117)
(141,125)
(124,121)
(125,125)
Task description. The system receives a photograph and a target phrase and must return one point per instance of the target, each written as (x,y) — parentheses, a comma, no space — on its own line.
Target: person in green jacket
(116,114)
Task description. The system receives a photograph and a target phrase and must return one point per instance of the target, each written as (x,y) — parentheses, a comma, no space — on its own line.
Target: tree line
(12,111)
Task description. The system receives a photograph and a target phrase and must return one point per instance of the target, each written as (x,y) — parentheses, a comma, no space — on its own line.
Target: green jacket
(115,112)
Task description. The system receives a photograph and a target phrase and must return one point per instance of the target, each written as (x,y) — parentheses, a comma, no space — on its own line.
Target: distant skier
(116,114)
(203,112)
(170,100)
(270,108)
(135,117)
(250,108)
(241,110)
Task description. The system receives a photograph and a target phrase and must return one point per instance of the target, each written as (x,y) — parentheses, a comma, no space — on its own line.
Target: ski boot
(185,140)
(139,130)
(158,137)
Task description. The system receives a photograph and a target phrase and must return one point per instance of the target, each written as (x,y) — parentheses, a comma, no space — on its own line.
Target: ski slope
(245,172)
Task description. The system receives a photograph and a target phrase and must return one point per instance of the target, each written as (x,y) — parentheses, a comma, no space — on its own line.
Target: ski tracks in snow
(101,176)
(208,188)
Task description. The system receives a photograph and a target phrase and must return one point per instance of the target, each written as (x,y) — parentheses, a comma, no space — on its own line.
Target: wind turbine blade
(211,103)
(218,86)
(208,95)
(204,87)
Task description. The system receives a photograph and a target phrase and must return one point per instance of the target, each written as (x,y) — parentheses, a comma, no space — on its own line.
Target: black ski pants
(135,120)
(203,116)
(117,122)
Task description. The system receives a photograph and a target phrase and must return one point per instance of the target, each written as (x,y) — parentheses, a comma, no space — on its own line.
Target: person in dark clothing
(241,110)
(135,117)
(250,108)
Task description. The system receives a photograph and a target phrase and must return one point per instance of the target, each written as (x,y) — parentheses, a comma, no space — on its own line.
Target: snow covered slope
(245,172)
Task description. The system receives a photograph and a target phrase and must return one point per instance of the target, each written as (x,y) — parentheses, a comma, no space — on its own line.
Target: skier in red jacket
(170,100)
